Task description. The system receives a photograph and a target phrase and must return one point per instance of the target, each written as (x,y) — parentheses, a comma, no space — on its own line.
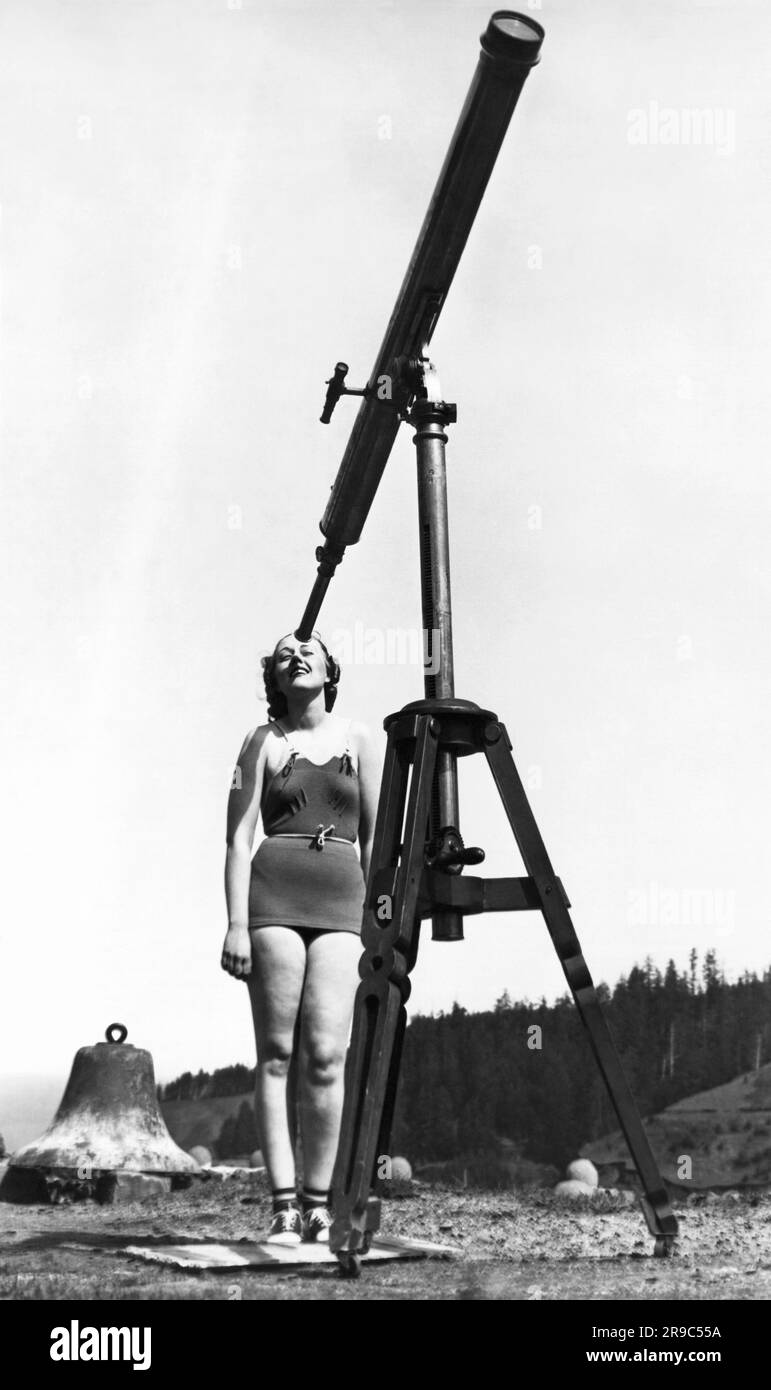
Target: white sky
(199,217)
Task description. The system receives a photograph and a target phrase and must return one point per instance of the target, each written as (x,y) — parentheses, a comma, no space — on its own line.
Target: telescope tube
(510,47)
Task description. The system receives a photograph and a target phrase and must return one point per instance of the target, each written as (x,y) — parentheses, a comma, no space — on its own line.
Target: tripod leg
(658,1213)
(379,1019)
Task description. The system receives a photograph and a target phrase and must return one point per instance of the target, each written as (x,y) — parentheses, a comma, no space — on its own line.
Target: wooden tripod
(417,860)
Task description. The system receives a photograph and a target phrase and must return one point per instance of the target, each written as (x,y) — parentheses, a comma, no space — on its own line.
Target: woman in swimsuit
(295,914)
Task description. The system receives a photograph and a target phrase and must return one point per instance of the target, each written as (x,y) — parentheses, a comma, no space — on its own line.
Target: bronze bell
(108,1120)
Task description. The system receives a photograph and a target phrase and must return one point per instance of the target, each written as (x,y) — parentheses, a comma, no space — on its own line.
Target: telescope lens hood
(512,38)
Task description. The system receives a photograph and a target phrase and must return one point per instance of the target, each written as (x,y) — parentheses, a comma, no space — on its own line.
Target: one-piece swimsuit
(306,872)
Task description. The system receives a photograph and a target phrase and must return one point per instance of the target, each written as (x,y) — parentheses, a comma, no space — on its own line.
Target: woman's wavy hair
(277,706)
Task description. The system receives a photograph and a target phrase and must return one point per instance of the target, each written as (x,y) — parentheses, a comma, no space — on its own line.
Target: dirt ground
(512,1245)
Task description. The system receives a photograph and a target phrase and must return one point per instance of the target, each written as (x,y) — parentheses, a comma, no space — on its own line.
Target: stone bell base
(51,1186)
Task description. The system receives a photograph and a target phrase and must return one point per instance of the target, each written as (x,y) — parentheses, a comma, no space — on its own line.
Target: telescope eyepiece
(515,38)
(335,389)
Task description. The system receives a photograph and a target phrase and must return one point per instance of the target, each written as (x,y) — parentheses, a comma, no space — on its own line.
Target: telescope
(511,46)
(418,855)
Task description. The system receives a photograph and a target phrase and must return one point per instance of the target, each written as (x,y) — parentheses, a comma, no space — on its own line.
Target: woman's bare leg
(275,989)
(331,978)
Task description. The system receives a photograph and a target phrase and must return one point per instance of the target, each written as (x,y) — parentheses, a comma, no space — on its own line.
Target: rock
(401,1170)
(234,1171)
(572,1189)
(583,1170)
(256,1159)
(40,1185)
(23,1185)
(119,1188)
(201,1155)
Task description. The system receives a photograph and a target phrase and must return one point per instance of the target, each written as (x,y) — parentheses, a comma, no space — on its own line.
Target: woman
(295,913)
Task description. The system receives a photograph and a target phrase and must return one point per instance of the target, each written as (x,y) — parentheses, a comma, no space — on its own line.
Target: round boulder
(573,1189)
(256,1159)
(201,1155)
(401,1170)
(583,1170)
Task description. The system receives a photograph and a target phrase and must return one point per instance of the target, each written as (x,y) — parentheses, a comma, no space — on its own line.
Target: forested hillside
(524,1072)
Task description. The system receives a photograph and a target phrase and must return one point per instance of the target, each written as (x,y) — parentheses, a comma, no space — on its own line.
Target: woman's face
(299,666)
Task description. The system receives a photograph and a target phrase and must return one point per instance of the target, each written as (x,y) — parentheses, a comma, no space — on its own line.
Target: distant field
(726,1132)
(200,1121)
(27,1106)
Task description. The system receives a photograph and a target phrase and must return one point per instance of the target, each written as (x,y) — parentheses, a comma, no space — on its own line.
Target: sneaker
(316,1224)
(286,1228)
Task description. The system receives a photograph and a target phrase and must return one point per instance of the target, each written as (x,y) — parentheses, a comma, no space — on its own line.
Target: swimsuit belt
(289,835)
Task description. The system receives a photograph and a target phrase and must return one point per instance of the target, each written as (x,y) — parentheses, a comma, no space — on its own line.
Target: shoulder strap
(346,761)
(293,752)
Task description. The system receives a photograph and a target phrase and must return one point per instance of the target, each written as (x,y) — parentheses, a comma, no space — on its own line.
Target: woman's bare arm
(242,815)
(370,773)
